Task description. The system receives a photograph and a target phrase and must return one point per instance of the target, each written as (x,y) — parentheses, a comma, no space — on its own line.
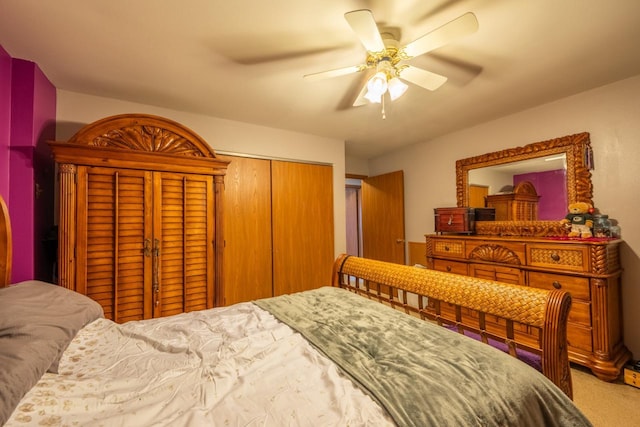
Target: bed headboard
(5,245)
(521,319)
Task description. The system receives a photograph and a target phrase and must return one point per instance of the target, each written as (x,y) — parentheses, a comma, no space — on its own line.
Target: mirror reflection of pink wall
(552,204)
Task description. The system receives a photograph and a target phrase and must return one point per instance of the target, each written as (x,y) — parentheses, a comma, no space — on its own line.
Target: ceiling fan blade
(461,26)
(364,25)
(333,73)
(360,99)
(422,78)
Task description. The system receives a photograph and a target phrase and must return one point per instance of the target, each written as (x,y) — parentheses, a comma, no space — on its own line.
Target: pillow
(38,320)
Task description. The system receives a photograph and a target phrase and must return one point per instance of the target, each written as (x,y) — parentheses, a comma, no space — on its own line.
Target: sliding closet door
(247,230)
(302,203)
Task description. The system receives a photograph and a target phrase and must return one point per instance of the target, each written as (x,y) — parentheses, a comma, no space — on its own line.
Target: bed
(384,344)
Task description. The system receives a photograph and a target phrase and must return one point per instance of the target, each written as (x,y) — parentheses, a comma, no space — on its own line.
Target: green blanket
(423,374)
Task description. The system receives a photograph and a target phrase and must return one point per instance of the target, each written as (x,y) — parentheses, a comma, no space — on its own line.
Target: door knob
(399,240)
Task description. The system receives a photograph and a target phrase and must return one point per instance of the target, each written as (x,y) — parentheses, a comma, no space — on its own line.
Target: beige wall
(75,110)
(357,166)
(611,114)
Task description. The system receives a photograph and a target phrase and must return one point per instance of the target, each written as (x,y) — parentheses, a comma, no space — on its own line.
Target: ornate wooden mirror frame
(577,149)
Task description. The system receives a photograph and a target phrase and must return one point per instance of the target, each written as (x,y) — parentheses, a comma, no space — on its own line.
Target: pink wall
(5,121)
(44,129)
(548,183)
(28,173)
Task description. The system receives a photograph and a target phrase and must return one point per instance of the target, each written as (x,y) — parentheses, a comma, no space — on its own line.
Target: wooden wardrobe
(519,205)
(140,217)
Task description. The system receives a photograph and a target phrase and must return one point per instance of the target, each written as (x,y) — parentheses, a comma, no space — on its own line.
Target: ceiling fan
(389,59)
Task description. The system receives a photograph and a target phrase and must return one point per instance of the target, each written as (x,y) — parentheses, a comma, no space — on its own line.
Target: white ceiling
(244,59)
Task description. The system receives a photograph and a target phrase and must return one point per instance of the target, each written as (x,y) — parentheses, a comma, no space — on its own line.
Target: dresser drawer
(511,275)
(559,257)
(449,266)
(580,313)
(578,287)
(448,248)
(579,338)
(447,311)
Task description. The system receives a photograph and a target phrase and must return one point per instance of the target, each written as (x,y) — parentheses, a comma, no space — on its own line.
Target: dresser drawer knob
(446,248)
(448,268)
(555,257)
(556,284)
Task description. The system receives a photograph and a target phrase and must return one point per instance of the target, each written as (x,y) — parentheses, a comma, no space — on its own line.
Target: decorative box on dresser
(589,269)
(140,217)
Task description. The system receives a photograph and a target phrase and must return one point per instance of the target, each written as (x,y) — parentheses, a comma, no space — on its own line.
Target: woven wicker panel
(571,258)
(522,304)
(453,248)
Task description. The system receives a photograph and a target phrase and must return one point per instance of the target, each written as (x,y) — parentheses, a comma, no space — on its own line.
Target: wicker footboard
(523,320)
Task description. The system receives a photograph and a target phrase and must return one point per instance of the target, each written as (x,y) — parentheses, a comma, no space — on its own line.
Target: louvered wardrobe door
(184,236)
(114,237)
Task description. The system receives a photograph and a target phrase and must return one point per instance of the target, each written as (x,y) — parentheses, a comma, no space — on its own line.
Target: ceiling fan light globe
(374,98)
(377,84)
(396,88)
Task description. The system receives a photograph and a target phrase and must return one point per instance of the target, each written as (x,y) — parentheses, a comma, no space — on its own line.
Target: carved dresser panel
(589,270)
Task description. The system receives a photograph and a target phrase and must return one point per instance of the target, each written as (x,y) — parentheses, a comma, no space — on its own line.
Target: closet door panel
(115,223)
(247,229)
(303,231)
(183,243)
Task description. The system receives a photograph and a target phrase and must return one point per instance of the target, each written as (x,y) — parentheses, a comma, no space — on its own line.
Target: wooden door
(114,218)
(353,208)
(303,230)
(247,228)
(183,243)
(477,196)
(383,217)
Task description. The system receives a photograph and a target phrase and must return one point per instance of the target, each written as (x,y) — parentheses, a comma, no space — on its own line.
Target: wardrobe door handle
(155,279)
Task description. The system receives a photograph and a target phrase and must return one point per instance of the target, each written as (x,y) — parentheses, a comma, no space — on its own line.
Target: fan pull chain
(384,115)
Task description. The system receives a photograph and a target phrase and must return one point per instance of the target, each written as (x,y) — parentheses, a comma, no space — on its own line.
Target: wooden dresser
(589,270)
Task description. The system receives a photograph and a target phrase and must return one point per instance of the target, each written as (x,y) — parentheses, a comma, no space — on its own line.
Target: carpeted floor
(614,404)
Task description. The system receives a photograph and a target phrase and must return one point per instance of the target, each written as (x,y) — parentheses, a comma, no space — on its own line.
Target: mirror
(570,155)
(501,185)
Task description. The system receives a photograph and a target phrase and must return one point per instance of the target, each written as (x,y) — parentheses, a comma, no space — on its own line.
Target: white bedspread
(231,366)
